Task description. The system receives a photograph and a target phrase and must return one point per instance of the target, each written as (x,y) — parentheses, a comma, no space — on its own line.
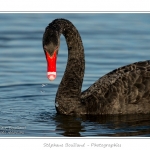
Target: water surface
(27,98)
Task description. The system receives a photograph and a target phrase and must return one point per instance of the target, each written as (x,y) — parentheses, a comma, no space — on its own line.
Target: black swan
(125,90)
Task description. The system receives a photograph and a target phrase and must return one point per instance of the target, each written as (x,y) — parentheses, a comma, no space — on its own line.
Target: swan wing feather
(125,90)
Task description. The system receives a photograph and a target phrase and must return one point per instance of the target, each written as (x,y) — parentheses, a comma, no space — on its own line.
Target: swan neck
(69,90)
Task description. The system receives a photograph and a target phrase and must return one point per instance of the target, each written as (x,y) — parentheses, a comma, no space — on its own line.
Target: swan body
(125,90)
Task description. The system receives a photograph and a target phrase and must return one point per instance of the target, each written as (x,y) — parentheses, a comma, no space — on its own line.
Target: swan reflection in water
(125,90)
(89,125)
(128,125)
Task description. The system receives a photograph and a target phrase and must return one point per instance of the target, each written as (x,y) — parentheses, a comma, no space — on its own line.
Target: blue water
(27,97)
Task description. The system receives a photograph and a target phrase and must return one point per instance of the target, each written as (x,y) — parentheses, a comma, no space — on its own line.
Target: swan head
(51,44)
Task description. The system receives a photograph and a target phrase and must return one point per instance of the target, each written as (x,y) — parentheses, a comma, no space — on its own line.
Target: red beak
(51,65)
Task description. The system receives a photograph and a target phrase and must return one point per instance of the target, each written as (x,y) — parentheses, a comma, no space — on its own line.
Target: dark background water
(27,97)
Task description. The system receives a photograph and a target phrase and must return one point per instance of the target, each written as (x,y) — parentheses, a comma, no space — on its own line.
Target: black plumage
(125,90)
